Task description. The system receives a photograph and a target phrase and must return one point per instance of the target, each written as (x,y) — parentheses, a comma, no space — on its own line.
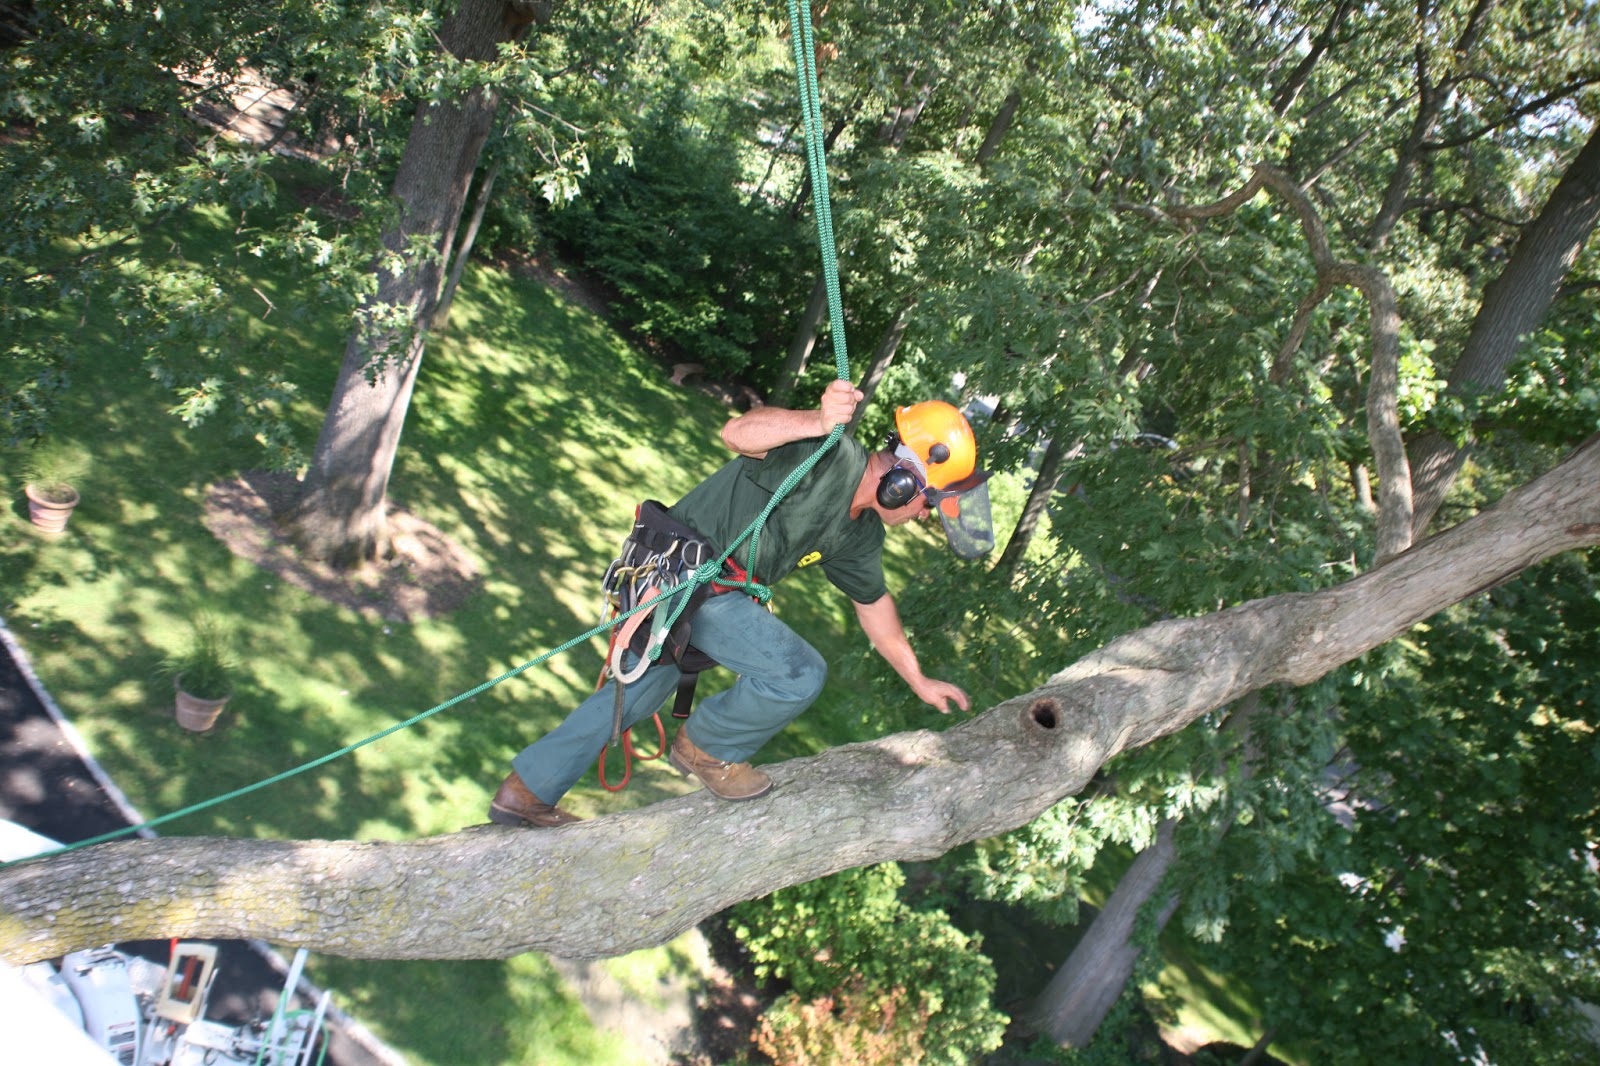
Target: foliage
(97,614)
(698,268)
(205,666)
(108,154)
(1461,896)
(848,1027)
(118,136)
(854,925)
(1550,396)
(140,239)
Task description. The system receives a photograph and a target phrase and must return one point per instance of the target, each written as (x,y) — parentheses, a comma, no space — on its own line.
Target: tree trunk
(772,163)
(882,357)
(800,347)
(1259,1048)
(1513,306)
(458,262)
(1088,985)
(1044,487)
(999,128)
(901,117)
(804,192)
(1080,995)
(340,514)
(1286,94)
(1408,155)
(614,885)
(1383,419)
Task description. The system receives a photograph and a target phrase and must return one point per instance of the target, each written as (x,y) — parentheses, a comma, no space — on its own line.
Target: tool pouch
(661,552)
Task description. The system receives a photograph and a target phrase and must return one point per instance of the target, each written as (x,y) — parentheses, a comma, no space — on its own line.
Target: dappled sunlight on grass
(528,445)
(516,1011)
(1209,1005)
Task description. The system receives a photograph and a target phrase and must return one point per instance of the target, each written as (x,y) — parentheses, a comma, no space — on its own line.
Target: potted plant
(48,473)
(202,676)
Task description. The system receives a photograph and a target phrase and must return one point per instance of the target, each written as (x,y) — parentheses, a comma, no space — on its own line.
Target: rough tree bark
(1513,306)
(628,881)
(340,515)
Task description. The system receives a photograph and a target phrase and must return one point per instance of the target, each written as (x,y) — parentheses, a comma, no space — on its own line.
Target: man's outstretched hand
(936,693)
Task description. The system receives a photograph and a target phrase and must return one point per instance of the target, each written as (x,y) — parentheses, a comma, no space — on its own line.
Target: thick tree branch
(1383,414)
(628,881)
(1514,305)
(1286,94)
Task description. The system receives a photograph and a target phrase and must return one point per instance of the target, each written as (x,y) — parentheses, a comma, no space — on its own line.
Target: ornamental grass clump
(51,468)
(204,668)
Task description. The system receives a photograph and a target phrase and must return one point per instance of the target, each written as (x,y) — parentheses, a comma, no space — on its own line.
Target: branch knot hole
(1043,713)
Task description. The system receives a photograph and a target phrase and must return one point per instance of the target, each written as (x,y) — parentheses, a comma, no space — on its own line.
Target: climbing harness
(659,556)
(654,568)
(711,570)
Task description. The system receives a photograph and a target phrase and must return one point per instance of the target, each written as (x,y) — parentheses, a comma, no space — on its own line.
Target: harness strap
(624,639)
(685,698)
(655,555)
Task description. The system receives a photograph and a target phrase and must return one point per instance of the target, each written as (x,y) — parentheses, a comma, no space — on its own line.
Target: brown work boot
(726,780)
(515,804)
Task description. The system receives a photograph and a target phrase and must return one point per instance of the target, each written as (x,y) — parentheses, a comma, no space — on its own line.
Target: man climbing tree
(834,516)
(911,795)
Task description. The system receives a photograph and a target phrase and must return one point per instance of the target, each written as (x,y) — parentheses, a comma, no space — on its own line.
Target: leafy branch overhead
(1383,422)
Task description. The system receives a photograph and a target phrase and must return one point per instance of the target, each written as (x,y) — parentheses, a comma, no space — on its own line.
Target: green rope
(805,67)
(346,750)
(810,96)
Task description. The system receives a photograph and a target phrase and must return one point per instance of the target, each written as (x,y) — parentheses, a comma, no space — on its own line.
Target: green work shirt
(810,526)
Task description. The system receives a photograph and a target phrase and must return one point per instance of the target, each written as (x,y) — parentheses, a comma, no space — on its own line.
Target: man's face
(915,510)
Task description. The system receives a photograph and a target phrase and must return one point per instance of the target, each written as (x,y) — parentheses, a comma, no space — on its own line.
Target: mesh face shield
(964,509)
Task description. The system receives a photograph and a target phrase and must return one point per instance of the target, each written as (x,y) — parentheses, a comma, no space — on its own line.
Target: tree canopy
(1286,314)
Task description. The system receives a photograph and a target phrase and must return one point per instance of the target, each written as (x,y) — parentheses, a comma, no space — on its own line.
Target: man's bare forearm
(758,432)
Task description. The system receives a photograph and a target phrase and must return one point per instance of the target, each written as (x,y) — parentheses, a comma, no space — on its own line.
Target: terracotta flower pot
(50,511)
(195,714)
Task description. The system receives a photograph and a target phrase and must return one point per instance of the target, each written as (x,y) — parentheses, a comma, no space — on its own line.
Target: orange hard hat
(941,437)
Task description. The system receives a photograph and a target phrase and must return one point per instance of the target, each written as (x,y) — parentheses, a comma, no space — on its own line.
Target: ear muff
(898,487)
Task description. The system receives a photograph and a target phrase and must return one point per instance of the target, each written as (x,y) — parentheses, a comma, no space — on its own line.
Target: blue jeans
(780,675)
